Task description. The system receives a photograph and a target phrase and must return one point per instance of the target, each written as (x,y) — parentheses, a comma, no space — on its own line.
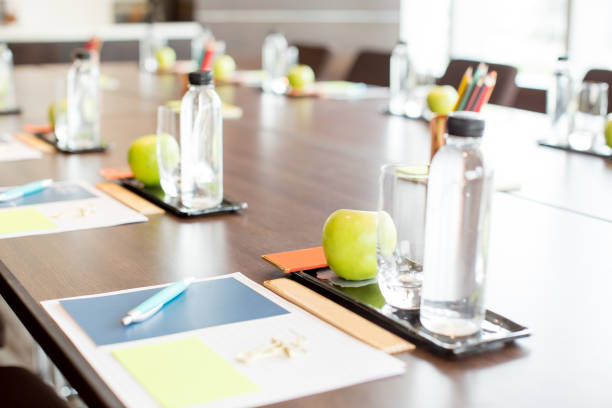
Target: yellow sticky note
(24,220)
(183,372)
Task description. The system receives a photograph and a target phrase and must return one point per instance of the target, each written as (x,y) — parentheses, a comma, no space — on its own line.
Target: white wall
(41,15)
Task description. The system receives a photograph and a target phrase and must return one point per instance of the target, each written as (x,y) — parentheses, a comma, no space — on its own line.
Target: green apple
(608,131)
(57,108)
(368,294)
(442,99)
(300,76)
(142,158)
(224,67)
(166,57)
(349,242)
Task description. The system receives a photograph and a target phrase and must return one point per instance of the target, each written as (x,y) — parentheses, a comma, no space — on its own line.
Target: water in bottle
(274,64)
(456,231)
(201,144)
(8,101)
(559,100)
(403,82)
(83,113)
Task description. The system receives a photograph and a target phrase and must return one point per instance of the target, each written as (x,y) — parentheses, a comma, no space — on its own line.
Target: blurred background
(526,34)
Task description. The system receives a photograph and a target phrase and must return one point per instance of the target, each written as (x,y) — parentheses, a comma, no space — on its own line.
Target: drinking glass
(589,117)
(291,58)
(60,114)
(168,149)
(403,193)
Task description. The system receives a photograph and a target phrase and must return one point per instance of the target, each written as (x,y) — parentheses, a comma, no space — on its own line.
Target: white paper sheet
(13,150)
(96,212)
(333,359)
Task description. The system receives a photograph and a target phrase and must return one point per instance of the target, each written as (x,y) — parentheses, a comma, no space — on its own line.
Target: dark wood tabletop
(297,160)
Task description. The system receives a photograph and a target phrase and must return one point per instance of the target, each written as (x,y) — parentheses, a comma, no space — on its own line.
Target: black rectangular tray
(156,196)
(496,330)
(562,146)
(52,140)
(425,116)
(15,111)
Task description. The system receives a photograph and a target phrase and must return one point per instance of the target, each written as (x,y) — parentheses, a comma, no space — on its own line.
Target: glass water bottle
(273,61)
(559,100)
(201,183)
(83,113)
(402,82)
(457,231)
(8,100)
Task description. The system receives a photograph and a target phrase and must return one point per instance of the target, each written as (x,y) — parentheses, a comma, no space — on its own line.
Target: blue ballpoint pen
(154,304)
(25,190)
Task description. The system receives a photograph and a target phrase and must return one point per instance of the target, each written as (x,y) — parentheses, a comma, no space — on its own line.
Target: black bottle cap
(81,54)
(562,58)
(465,124)
(200,78)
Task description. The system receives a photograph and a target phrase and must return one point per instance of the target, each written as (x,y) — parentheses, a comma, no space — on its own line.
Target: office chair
(601,75)
(315,56)
(531,99)
(370,67)
(505,90)
(20,388)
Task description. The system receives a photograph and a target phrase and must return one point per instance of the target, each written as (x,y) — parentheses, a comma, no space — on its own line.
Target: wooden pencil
(465,81)
(481,70)
(477,90)
(487,95)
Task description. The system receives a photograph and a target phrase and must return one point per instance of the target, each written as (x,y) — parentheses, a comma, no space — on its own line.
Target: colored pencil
(475,93)
(488,83)
(492,79)
(481,70)
(208,56)
(465,81)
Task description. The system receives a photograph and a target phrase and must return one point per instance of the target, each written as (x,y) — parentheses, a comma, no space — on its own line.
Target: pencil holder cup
(437,128)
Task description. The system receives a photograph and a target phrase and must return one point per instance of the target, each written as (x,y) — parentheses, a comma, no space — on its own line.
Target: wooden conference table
(297,160)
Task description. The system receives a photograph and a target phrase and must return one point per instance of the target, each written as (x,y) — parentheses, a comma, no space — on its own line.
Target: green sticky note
(183,372)
(24,220)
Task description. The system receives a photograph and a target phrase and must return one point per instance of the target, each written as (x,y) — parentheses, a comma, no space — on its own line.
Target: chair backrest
(505,91)
(315,56)
(531,99)
(59,52)
(371,67)
(602,75)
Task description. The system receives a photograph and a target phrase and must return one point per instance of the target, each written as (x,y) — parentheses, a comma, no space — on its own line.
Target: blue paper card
(52,194)
(204,304)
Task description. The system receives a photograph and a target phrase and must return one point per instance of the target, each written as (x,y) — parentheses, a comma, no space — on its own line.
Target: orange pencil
(492,79)
(465,81)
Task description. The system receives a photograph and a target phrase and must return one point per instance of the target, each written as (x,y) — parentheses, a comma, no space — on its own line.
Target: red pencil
(490,84)
(208,56)
(477,89)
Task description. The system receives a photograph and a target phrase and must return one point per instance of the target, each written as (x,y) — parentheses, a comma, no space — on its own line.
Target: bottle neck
(199,88)
(462,140)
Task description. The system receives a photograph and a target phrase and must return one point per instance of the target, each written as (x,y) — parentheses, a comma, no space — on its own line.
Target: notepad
(204,304)
(24,220)
(55,193)
(164,370)
(299,260)
(63,206)
(183,372)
